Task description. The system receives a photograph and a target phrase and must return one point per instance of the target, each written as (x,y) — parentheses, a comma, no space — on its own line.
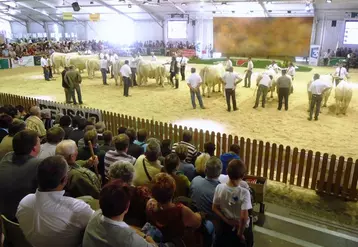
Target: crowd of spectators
(119,189)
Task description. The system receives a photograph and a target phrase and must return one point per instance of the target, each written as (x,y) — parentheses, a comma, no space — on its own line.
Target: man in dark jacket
(66,86)
(133,149)
(174,70)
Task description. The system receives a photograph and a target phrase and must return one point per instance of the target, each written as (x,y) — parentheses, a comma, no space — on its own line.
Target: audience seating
(13,234)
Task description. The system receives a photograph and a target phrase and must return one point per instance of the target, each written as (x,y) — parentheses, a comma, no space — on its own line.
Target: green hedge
(261,64)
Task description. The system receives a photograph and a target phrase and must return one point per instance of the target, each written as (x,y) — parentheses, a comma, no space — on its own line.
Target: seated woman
(140,195)
(176,221)
(200,164)
(107,227)
(171,164)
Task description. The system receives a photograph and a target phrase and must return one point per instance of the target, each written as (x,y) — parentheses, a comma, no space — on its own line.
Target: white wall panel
(148,30)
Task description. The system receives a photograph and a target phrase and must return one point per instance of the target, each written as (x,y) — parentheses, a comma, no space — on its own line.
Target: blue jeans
(104,76)
(198,95)
(46,74)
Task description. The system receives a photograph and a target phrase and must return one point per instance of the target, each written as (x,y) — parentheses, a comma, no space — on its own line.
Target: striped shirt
(114,156)
(192,152)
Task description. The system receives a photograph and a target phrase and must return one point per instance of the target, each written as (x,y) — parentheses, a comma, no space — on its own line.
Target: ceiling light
(129,5)
(183,4)
(328,1)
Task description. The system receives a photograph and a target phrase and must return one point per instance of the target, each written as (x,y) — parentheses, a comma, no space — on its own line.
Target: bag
(146,172)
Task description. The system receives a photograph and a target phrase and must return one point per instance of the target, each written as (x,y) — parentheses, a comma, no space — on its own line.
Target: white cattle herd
(211,76)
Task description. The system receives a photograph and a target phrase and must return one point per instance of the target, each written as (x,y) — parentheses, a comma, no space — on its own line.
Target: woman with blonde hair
(200,164)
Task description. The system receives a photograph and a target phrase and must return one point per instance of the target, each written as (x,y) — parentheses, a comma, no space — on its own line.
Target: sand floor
(332,134)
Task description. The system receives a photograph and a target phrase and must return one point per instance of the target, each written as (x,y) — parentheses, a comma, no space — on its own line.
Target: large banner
(23,62)
(314,55)
(261,37)
(69,110)
(186,52)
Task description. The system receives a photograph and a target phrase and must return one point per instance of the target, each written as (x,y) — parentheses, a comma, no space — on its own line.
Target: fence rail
(332,175)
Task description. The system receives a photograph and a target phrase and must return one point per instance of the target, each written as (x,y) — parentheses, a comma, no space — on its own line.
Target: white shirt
(228,64)
(154,58)
(230,79)
(44,62)
(232,200)
(133,62)
(112,59)
(125,70)
(183,61)
(318,86)
(47,150)
(291,71)
(103,63)
(326,55)
(194,80)
(51,219)
(266,80)
(341,72)
(274,67)
(225,178)
(250,65)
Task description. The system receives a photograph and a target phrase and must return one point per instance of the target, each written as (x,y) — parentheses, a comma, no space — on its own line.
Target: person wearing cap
(340,74)
(317,89)
(194,82)
(284,84)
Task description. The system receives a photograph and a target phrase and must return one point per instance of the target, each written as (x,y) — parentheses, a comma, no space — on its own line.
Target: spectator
(141,138)
(209,148)
(166,147)
(192,152)
(47,218)
(46,118)
(171,166)
(81,181)
(133,149)
(35,123)
(78,134)
(107,228)
(21,112)
(6,144)
(231,203)
(167,216)
(5,122)
(121,142)
(84,153)
(107,141)
(54,136)
(200,164)
(81,142)
(122,130)
(202,189)
(100,128)
(227,157)
(18,171)
(184,167)
(147,165)
(65,124)
(140,195)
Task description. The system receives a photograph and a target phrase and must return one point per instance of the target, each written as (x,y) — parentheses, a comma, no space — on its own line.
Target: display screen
(177,29)
(351,33)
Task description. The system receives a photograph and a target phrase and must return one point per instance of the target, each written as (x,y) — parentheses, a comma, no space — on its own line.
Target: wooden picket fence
(326,174)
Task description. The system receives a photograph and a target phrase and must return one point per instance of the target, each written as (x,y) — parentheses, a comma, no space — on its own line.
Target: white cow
(329,80)
(146,69)
(92,65)
(343,97)
(79,61)
(211,76)
(117,65)
(58,60)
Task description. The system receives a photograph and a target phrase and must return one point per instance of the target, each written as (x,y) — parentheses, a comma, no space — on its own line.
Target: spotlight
(328,1)
(129,5)
(233,11)
(91,2)
(214,12)
(289,11)
(224,3)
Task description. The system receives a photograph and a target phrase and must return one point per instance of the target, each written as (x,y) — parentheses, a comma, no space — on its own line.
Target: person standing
(194,82)
(112,59)
(228,63)
(326,56)
(291,71)
(126,73)
(340,74)
(154,58)
(174,70)
(284,84)
(74,80)
(274,66)
(317,89)
(263,85)
(231,79)
(66,86)
(183,62)
(133,67)
(250,66)
(44,65)
(104,69)
(49,62)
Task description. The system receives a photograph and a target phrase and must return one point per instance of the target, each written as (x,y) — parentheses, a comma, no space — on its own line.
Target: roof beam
(155,17)
(113,8)
(177,7)
(19,20)
(38,22)
(267,14)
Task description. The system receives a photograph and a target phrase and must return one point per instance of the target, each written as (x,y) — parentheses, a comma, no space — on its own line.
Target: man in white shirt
(228,64)
(274,67)
(47,218)
(126,73)
(317,89)
(194,82)
(183,62)
(104,68)
(263,85)
(133,65)
(340,73)
(44,65)
(154,58)
(112,59)
(326,56)
(291,71)
(230,80)
(250,66)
